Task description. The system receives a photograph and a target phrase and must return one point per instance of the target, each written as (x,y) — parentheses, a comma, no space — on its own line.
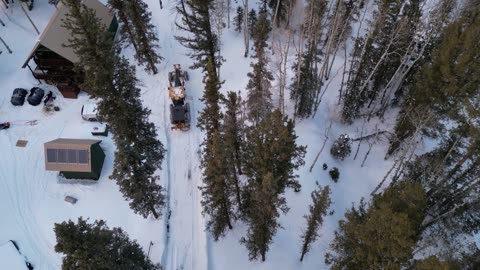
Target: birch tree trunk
(246,36)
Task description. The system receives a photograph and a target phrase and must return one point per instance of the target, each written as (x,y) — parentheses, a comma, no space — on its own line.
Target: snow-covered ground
(31,199)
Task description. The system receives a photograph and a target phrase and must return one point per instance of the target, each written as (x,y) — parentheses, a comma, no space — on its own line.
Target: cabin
(52,62)
(75,158)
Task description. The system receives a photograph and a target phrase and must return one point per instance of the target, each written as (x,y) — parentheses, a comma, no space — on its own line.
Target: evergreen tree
(342,147)
(445,90)
(318,210)
(381,235)
(252,22)
(234,143)
(136,26)
(271,156)
(271,147)
(259,86)
(93,45)
(216,192)
(334,174)
(202,41)
(127,30)
(307,82)
(262,216)
(377,56)
(139,153)
(280,9)
(95,246)
(238,19)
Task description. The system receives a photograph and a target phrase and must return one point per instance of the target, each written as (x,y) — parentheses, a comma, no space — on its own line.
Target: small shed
(53,60)
(75,158)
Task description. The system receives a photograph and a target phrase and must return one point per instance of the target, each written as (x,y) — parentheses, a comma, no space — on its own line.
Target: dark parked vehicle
(36,96)
(18,96)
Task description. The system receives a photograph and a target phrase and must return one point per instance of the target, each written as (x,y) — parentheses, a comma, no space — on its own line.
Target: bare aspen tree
(229,4)
(427,31)
(280,65)
(5,44)
(218,22)
(29,19)
(326,136)
(246,34)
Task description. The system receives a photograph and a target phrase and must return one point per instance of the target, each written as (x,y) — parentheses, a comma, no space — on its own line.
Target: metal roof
(72,142)
(55,35)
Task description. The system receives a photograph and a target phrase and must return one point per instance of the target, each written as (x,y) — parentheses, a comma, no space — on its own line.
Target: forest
(409,68)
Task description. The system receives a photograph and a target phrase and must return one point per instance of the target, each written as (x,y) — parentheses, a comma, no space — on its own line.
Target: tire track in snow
(185,241)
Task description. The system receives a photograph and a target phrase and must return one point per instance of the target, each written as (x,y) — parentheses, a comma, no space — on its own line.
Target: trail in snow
(185,240)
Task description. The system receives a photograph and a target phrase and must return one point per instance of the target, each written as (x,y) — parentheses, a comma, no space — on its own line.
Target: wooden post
(33,74)
(4,43)
(26,14)
(149,247)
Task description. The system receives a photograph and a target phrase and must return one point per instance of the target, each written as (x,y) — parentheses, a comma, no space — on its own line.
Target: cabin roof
(86,142)
(55,35)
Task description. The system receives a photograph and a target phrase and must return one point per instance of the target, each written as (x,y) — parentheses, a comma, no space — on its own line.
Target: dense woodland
(398,56)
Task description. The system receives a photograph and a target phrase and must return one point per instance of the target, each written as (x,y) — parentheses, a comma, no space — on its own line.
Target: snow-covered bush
(342,147)
(334,174)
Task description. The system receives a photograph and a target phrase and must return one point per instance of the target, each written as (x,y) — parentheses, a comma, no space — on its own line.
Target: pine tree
(271,147)
(381,235)
(334,174)
(318,210)
(93,45)
(238,19)
(342,147)
(259,86)
(445,90)
(94,246)
(136,26)
(307,82)
(216,192)
(203,42)
(139,153)
(377,55)
(280,9)
(233,143)
(271,156)
(262,216)
(127,30)
(252,22)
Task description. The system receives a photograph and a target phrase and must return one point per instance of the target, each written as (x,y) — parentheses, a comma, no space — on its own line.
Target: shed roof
(55,35)
(72,141)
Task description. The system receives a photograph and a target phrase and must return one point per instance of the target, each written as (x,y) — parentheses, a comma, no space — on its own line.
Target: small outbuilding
(75,158)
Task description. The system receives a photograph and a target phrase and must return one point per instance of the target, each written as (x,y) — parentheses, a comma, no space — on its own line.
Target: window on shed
(51,155)
(83,156)
(62,156)
(72,156)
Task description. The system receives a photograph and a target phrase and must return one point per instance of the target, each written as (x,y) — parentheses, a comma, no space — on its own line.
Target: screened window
(83,156)
(52,155)
(62,156)
(72,156)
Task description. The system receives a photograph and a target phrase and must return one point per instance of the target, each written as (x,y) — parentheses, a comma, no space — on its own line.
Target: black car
(36,96)
(18,96)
